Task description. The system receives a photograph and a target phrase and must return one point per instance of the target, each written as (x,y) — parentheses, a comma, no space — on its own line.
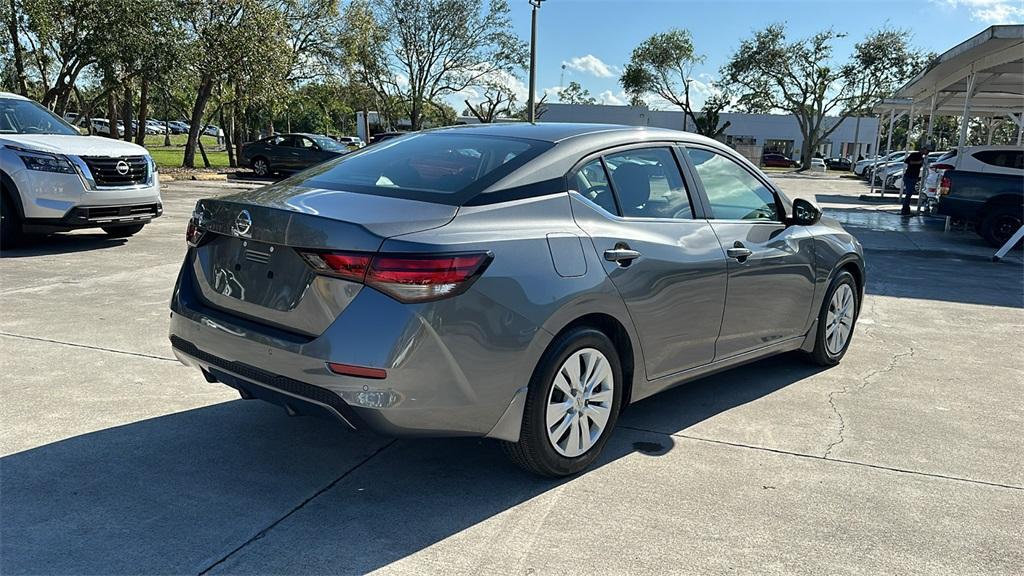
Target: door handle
(738,252)
(621,256)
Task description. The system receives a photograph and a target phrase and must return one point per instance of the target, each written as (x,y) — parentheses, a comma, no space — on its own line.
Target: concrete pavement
(906,458)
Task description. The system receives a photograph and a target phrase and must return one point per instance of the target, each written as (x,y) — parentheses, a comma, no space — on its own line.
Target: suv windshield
(443,167)
(26,117)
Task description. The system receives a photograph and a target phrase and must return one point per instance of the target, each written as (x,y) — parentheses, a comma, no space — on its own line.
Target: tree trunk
(227,128)
(19,62)
(195,130)
(112,114)
(236,124)
(126,112)
(140,137)
(202,152)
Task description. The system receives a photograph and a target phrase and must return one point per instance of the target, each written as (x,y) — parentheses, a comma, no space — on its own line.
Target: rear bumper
(295,396)
(433,386)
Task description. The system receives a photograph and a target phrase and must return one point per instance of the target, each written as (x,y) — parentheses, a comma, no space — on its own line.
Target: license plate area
(256,273)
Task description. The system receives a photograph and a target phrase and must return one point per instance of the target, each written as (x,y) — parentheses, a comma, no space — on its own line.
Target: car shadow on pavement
(239,486)
(62,244)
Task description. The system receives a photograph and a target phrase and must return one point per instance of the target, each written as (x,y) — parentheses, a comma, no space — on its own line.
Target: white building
(752,134)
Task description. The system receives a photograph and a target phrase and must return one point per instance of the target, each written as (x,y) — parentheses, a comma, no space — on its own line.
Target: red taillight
(405,277)
(358,371)
(347,265)
(945,185)
(193,234)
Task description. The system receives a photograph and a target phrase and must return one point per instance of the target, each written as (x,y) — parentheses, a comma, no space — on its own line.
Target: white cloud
(610,98)
(989,11)
(591,65)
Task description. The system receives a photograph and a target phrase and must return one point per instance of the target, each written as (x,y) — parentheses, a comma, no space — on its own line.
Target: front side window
(592,182)
(19,116)
(648,183)
(734,193)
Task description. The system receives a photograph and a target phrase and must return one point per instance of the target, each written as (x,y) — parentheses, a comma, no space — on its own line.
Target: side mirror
(805,212)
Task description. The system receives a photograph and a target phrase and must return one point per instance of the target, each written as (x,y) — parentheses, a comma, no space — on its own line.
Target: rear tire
(836,321)
(582,422)
(123,231)
(999,225)
(10,222)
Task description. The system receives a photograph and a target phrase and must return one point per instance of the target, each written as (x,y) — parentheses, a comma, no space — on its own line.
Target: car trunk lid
(248,262)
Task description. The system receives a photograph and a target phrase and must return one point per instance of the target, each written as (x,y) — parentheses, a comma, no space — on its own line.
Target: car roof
(555,132)
(13,96)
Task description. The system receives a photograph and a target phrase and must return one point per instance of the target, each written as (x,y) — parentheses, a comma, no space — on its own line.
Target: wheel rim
(580,402)
(261,167)
(1004,227)
(839,320)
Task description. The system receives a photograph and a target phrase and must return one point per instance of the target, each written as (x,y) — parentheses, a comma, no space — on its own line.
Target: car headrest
(632,184)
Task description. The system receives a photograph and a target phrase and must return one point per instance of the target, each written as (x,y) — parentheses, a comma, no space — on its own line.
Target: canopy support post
(967,109)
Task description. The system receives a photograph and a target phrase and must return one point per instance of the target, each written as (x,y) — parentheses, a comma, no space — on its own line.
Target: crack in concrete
(848,390)
(89,347)
(858,463)
(295,509)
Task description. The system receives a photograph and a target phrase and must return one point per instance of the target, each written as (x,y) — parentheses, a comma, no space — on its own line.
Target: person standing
(911,176)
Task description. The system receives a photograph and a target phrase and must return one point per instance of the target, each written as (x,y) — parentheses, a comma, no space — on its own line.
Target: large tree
(663,65)
(575,94)
(804,78)
(417,51)
(228,39)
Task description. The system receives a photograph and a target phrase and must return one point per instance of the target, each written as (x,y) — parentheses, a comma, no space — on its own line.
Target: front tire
(123,231)
(10,222)
(572,405)
(836,321)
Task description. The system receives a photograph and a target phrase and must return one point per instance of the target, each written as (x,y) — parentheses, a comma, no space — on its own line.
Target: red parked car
(778,161)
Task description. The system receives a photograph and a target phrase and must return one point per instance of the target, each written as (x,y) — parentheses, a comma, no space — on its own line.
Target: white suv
(55,179)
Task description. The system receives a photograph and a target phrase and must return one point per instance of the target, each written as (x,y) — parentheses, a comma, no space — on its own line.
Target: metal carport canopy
(982,76)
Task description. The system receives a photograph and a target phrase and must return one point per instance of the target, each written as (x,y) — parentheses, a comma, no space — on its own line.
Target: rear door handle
(621,255)
(739,253)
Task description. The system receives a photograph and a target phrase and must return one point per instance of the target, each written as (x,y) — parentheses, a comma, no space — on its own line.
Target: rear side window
(592,182)
(1002,158)
(440,167)
(648,183)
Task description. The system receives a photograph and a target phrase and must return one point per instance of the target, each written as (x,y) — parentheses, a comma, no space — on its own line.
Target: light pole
(531,105)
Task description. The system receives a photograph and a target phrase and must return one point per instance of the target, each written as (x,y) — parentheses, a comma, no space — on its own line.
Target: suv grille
(105,172)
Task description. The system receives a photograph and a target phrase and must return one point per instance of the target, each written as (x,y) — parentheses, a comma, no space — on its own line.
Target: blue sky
(594,38)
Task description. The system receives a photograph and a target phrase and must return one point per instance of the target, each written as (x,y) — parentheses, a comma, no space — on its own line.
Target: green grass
(171,156)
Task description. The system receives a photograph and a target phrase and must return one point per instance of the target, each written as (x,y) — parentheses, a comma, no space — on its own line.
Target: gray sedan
(511,281)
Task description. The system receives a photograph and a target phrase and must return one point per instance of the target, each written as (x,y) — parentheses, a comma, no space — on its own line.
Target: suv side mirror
(805,212)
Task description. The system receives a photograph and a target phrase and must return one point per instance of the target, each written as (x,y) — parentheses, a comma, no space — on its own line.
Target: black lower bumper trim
(276,382)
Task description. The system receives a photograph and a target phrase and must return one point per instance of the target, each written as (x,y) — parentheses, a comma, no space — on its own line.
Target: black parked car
(289,152)
(838,164)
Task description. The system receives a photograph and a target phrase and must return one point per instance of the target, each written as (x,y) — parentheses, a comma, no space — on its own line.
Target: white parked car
(353,143)
(55,179)
(818,165)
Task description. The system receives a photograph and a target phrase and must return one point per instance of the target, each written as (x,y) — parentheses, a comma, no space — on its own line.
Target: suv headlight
(41,162)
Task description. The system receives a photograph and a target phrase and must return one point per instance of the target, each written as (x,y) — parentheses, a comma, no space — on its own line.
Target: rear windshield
(443,167)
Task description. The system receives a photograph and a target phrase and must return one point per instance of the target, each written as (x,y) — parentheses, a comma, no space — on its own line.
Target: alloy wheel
(580,402)
(839,320)
(260,167)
